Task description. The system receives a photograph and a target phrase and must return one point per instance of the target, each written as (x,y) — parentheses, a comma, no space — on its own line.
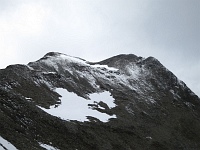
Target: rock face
(151,108)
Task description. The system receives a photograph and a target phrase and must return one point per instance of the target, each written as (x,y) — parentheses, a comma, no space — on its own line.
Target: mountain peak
(135,102)
(61,55)
(56,60)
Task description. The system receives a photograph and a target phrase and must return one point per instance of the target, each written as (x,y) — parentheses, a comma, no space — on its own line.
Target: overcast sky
(168,30)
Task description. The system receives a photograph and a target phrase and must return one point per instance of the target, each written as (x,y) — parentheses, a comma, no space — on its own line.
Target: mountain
(122,103)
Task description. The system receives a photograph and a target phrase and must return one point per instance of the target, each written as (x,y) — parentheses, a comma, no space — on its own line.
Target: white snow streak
(66,59)
(48,147)
(6,144)
(103,66)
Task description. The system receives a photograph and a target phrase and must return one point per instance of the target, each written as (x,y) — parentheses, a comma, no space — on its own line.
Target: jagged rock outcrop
(152,108)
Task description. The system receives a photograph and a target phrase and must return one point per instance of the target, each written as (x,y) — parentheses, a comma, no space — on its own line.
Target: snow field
(74,107)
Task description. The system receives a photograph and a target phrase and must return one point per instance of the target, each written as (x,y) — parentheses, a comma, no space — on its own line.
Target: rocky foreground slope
(143,106)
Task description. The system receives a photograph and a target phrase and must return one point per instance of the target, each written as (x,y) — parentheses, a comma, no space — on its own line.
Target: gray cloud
(175,25)
(94,30)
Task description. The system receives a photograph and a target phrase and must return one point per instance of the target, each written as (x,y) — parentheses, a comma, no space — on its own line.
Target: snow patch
(28,99)
(104,66)
(31,68)
(5,144)
(48,147)
(49,72)
(149,138)
(72,59)
(74,107)
(133,71)
(104,97)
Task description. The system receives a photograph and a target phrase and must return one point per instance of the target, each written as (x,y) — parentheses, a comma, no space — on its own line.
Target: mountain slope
(151,108)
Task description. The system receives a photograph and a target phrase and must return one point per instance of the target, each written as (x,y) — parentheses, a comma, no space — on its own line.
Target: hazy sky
(97,29)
